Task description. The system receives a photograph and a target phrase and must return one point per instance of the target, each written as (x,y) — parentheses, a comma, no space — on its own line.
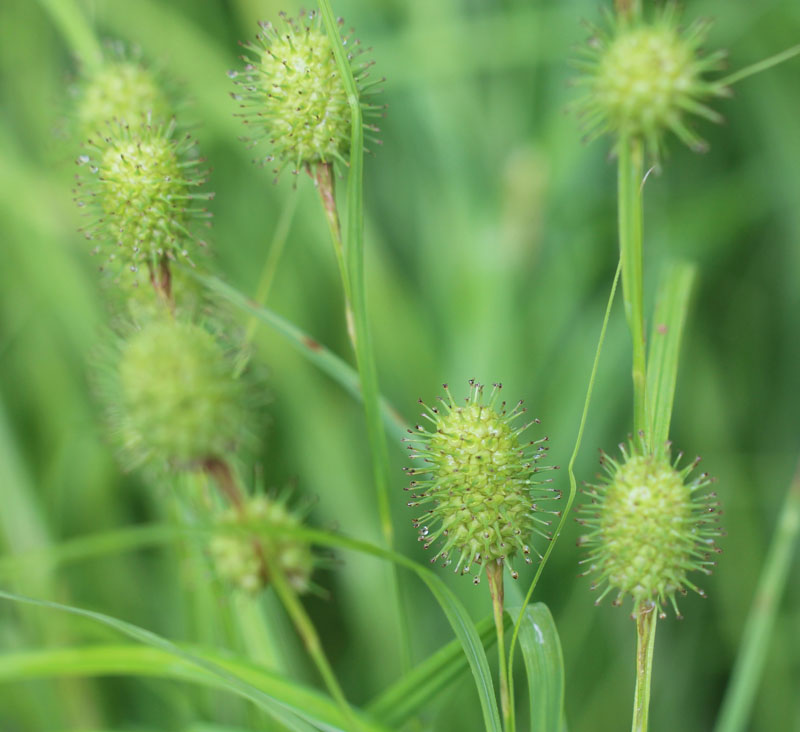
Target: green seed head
(292,93)
(141,190)
(179,401)
(125,93)
(649,527)
(479,491)
(247,534)
(643,78)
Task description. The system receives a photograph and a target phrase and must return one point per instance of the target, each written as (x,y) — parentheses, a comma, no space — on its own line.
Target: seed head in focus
(649,526)
(478,483)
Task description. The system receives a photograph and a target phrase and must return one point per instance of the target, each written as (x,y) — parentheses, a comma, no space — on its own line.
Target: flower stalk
(646,618)
(494,573)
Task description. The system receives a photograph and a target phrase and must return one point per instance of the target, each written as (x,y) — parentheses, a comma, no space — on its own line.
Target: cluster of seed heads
(477,484)
(641,79)
(649,526)
(292,94)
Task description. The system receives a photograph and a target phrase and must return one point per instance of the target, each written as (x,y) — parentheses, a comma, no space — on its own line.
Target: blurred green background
(491,247)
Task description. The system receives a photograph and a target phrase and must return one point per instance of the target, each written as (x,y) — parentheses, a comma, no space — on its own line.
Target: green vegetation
(203,524)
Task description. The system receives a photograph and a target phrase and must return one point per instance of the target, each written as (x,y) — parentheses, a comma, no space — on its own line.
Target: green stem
(760,66)
(573,489)
(76,31)
(747,670)
(308,633)
(494,571)
(630,180)
(323,176)
(646,617)
(271,263)
(354,280)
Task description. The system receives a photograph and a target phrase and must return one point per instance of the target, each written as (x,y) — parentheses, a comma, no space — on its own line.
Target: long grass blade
(544,665)
(327,361)
(672,305)
(741,692)
(287,702)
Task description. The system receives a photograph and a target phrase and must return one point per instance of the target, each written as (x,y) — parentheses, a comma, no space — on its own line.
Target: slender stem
(760,66)
(76,31)
(494,571)
(323,176)
(742,688)
(573,488)
(365,358)
(271,263)
(629,9)
(630,176)
(221,472)
(308,633)
(646,617)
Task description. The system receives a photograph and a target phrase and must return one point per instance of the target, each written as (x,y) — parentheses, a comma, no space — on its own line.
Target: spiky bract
(293,94)
(122,92)
(142,185)
(179,401)
(650,525)
(480,493)
(641,79)
(248,533)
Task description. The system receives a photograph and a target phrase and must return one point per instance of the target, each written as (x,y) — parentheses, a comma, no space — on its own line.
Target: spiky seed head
(179,401)
(292,93)
(479,494)
(649,526)
(642,79)
(246,534)
(122,92)
(140,190)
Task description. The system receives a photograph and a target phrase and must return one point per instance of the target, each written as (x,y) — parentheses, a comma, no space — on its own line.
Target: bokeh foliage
(490,250)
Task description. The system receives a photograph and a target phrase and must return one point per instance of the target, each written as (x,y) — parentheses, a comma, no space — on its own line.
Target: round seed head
(292,93)
(642,79)
(649,526)
(122,92)
(140,188)
(179,401)
(249,534)
(477,483)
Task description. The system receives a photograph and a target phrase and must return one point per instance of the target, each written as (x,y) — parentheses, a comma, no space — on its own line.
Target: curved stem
(494,572)
(629,183)
(646,617)
(573,488)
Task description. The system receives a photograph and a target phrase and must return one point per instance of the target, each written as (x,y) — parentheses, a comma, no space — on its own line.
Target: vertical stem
(365,359)
(646,616)
(630,175)
(494,571)
(629,9)
(323,176)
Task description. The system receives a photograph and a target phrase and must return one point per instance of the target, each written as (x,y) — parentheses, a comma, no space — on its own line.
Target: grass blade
(741,692)
(279,697)
(672,305)
(544,665)
(327,361)
(412,692)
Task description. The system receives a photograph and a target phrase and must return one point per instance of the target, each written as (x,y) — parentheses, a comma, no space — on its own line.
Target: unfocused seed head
(477,482)
(246,535)
(648,527)
(642,79)
(125,93)
(179,401)
(292,94)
